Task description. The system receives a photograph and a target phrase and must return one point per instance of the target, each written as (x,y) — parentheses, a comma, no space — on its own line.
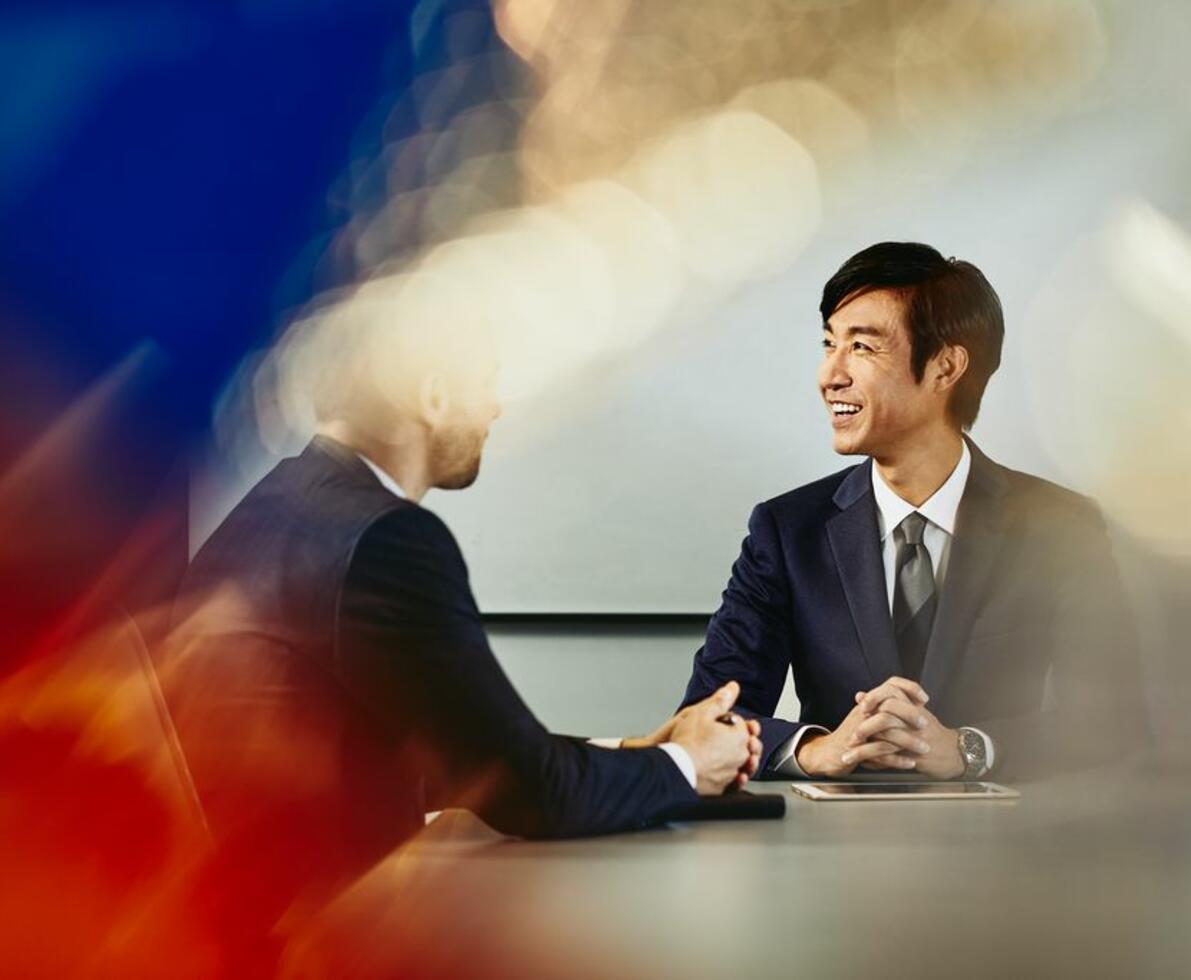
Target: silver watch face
(971,747)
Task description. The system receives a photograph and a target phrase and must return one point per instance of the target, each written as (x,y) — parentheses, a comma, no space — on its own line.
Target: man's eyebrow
(858,330)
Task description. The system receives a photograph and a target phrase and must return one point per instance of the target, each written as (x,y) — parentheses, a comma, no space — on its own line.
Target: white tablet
(905,791)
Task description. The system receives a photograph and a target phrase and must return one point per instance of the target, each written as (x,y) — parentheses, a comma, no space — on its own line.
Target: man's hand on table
(725,755)
(936,753)
(890,728)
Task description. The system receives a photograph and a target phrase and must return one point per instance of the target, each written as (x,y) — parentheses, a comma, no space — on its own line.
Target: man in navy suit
(328,670)
(940,613)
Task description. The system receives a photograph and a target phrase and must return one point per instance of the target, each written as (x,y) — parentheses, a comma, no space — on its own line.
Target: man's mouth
(843,412)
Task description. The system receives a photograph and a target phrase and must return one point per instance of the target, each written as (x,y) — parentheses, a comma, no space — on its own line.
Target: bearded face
(455,455)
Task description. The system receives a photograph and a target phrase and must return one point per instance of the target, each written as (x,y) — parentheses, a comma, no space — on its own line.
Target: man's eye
(857,345)
(828,345)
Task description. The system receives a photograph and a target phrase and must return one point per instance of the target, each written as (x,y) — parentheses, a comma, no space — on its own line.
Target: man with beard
(329,672)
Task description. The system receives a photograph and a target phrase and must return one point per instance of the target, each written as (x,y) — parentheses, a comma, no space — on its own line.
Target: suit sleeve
(1094,712)
(750,639)
(412,650)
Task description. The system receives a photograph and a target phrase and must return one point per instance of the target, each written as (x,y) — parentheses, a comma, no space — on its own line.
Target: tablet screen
(905,789)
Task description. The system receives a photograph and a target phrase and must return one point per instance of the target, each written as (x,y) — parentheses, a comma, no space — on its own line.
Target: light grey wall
(593,679)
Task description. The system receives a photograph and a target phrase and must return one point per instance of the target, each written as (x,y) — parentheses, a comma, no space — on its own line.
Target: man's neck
(406,460)
(914,473)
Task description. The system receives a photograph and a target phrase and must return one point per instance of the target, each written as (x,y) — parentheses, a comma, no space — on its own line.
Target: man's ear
(950,364)
(434,399)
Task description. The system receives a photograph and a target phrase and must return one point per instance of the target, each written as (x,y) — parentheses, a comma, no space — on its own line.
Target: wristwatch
(975,756)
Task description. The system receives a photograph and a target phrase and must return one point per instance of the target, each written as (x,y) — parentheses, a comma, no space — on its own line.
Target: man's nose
(833,372)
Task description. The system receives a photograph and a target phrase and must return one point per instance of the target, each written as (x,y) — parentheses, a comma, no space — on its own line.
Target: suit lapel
(979,536)
(856,546)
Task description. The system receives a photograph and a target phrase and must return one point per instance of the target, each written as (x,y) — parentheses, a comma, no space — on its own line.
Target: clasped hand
(889,728)
(725,754)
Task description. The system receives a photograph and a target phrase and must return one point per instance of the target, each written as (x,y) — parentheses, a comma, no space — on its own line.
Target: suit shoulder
(409,525)
(1053,501)
(409,540)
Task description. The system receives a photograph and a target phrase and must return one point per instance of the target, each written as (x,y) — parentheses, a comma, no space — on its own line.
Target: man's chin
(845,445)
(459,481)
(841,444)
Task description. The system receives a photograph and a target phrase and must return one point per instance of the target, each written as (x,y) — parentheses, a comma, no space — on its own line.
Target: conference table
(1086,876)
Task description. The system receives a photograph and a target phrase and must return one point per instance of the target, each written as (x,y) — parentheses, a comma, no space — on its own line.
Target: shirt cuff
(787,753)
(682,759)
(990,751)
(605,743)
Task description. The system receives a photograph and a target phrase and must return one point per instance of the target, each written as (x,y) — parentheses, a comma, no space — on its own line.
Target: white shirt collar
(940,508)
(386,481)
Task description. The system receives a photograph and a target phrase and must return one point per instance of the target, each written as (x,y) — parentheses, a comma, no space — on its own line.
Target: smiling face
(875,405)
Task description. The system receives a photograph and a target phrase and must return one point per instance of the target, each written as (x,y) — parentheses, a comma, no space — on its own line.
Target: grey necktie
(914,596)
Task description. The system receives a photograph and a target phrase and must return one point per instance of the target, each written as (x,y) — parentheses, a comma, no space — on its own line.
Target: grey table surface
(1086,876)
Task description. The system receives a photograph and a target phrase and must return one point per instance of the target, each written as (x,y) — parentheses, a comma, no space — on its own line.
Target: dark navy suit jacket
(1032,641)
(330,680)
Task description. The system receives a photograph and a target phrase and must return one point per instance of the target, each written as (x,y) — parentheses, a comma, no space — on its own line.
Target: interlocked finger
(915,714)
(894,761)
(905,740)
(882,721)
(894,687)
(869,750)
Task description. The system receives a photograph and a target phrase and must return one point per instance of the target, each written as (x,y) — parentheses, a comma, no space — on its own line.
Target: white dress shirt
(386,481)
(940,510)
(682,758)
